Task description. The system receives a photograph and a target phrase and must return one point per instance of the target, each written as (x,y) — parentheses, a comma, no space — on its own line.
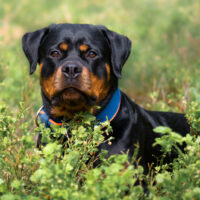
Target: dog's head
(79,65)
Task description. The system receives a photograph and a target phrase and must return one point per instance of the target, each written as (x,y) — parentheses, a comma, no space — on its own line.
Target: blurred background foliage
(162,71)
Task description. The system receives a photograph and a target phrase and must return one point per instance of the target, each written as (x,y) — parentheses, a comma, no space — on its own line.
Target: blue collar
(112,108)
(109,112)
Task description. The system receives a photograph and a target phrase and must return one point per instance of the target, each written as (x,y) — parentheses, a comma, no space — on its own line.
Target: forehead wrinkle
(76,36)
(59,35)
(81,37)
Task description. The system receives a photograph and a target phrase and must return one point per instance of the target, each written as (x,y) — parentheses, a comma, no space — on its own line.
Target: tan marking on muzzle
(96,87)
(108,71)
(59,80)
(47,84)
(41,66)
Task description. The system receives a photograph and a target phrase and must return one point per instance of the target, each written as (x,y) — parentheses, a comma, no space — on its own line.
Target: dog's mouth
(73,96)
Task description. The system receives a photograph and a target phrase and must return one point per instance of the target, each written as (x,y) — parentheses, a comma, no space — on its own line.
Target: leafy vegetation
(65,171)
(162,73)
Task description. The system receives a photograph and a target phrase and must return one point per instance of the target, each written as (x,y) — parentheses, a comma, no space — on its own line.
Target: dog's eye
(91,54)
(55,54)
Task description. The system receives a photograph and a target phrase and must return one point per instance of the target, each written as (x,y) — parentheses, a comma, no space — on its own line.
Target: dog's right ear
(30,43)
(120,47)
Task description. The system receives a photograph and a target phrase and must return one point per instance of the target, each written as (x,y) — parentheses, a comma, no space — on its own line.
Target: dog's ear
(120,49)
(30,43)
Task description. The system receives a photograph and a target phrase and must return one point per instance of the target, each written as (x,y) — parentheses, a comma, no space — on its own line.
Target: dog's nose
(71,70)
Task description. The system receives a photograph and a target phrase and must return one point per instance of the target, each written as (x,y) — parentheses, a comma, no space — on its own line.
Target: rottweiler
(80,65)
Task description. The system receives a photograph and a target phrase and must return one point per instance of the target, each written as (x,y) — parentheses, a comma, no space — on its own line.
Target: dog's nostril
(71,70)
(67,70)
(76,70)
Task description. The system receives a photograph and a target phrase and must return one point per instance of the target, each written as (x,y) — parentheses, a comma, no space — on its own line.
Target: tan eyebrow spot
(63,46)
(83,47)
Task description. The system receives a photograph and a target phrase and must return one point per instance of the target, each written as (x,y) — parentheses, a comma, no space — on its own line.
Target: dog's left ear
(120,49)
(30,43)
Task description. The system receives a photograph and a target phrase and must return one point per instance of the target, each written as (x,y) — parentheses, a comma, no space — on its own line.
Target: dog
(80,65)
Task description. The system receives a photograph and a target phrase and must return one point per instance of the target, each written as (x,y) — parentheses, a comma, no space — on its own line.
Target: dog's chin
(70,101)
(72,97)
(72,94)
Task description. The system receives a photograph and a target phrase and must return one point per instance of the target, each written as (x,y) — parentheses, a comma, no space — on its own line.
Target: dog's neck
(109,109)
